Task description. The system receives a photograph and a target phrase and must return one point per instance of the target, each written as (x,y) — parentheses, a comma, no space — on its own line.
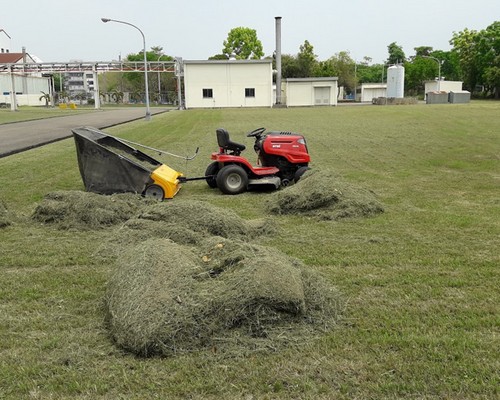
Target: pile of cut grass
(186,276)
(225,295)
(186,223)
(322,195)
(205,218)
(87,211)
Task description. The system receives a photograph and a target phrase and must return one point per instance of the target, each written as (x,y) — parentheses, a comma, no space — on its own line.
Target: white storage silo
(396,81)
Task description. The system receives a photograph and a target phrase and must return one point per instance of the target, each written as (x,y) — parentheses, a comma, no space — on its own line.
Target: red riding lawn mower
(282,158)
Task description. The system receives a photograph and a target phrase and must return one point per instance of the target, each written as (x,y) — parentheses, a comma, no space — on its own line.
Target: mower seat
(227,144)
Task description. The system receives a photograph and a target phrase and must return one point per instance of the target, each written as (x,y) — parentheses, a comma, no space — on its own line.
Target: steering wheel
(256,132)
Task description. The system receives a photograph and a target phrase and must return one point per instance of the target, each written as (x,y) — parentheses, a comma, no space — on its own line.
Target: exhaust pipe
(278,60)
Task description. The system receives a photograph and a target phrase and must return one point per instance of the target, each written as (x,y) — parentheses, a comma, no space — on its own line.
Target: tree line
(473,59)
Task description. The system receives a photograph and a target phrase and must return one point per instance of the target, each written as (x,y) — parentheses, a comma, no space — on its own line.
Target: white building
(28,87)
(228,83)
(311,91)
(369,91)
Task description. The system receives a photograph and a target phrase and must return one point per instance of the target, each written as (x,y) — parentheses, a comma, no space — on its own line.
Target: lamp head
(105,19)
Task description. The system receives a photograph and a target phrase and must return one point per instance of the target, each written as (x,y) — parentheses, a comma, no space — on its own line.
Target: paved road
(20,136)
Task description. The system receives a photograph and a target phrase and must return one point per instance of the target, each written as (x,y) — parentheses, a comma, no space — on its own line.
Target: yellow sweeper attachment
(111,165)
(165,183)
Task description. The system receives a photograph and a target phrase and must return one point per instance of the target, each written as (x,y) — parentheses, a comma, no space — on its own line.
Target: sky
(56,30)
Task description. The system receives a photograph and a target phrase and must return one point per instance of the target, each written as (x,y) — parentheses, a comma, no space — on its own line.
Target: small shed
(311,91)
(369,91)
(459,97)
(445,86)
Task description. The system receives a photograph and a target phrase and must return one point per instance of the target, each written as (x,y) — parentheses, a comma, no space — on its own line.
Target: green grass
(422,319)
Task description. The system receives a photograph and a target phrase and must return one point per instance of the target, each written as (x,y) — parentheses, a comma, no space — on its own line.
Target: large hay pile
(4,215)
(86,211)
(225,295)
(187,278)
(322,195)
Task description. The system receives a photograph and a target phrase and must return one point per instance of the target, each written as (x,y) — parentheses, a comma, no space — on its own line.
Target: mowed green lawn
(422,279)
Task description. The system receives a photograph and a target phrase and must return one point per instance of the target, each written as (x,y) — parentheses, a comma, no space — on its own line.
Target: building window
(208,93)
(250,92)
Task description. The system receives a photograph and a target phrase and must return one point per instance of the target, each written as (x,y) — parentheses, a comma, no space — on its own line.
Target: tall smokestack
(278,60)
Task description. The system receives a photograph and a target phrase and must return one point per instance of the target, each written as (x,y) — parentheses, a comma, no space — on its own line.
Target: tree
(243,44)
(289,66)
(417,71)
(306,59)
(303,65)
(46,97)
(134,81)
(369,73)
(478,53)
(396,54)
(218,57)
(465,46)
(344,67)
(489,58)
(423,51)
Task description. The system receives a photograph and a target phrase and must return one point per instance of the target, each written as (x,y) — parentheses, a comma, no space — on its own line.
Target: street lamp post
(439,70)
(148,111)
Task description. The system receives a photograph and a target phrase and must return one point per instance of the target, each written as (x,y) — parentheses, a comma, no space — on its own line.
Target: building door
(322,96)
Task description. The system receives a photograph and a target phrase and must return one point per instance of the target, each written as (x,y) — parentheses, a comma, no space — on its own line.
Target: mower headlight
(302,141)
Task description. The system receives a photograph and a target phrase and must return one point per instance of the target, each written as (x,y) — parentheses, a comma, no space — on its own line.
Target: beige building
(369,91)
(311,92)
(228,83)
(28,87)
(442,86)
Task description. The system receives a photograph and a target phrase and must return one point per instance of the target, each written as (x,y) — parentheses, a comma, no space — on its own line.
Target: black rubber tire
(212,169)
(232,179)
(299,173)
(154,192)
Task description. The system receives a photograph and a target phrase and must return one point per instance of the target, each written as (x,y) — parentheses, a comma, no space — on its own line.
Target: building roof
(10,58)
(319,79)
(208,62)
(13,58)
(368,85)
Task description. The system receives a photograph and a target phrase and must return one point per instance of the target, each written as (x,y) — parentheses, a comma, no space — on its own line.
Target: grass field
(421,279)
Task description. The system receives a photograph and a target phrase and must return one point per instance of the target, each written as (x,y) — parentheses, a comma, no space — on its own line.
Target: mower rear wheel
(211,174)
(154,192)
(232,179)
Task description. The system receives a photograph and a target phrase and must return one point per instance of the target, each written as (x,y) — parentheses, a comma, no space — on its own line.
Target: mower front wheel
(232,179)
(298,174)
(211,174)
